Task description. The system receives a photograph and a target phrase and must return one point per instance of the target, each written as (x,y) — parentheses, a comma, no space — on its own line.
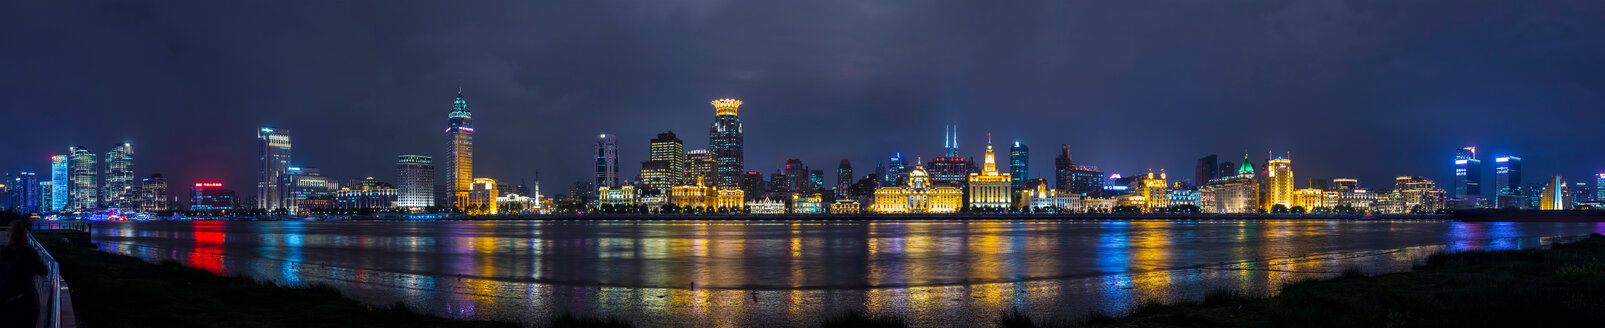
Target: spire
(990,168)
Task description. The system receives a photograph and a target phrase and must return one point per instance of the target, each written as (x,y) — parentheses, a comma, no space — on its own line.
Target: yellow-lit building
(990,188)
(1036,197)
(1155,191)
(807,203)
(1311,198)
(917,196)
(624,195)
(1279,183)
(1557,196)
(702,195)
(845,206)
(688,196)
(482,197)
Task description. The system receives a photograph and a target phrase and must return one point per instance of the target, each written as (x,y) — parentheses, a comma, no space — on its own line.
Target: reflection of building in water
(917,196)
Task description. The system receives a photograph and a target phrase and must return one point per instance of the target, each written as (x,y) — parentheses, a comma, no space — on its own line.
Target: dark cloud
(1366,89)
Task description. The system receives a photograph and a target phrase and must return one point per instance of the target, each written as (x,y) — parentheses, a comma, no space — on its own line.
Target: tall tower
(1062,167)
(1019,165)
(460,152)
(727,143)
(273,177)
(607,160)
(118,192)
(950,141)
(844,177)
(990,189)
(665,165)
(1206,170)
(1557,196)
(415,181)
(60,183)
(1468,174)
(896,171)
(1507,182)
(81,167)
(1279,178)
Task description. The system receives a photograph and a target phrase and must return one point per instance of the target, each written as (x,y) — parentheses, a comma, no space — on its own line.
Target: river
(794,273)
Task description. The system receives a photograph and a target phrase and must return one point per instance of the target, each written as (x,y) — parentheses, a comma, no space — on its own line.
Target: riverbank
(112,290)
(1559,287)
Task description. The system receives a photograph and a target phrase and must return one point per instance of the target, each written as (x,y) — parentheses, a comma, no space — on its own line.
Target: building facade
(1468,174)
(665,164)
(118,190)
(209,197)
(1279,183)
(459,152)
(60,183)
(273,158)
(606,168)
(726,141)
(153,194)
(918,196)
(990,188)
(1019,165)
(83,194)
(1557,196)
(701,165)
(844,177)
(415,181)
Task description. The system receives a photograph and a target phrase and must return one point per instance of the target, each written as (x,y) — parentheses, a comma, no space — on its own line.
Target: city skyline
(1264,83)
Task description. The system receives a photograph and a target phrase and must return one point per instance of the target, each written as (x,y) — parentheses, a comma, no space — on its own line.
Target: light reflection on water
(722,273)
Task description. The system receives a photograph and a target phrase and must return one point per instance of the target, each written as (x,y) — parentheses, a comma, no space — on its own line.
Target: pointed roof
(1247,167)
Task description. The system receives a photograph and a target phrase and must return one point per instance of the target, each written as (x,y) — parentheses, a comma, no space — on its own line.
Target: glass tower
(1019,164)
(272,184)
(844,177)
(60,180)
(665,165)
(459,151)
(118,192)
(81,166)
(1507,182)
(415,181)
(726,141)
(1468,173)
(607,161)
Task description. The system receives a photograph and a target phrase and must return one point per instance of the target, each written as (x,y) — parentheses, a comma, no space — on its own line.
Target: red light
(208,184)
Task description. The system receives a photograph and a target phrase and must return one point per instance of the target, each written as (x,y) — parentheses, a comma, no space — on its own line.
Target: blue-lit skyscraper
(273,175)
(896,171)
(1019,164)
(727,142)
(60,182)
(1468,174)
(24,192)
(83,194)
(607,161)
(118,191)
(1507,182)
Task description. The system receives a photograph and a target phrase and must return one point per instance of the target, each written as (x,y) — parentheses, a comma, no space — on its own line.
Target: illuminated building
(516,204)
(1062,166)
(607,161)
(481,197)
(1187,197)
(844,177)
(701,165)
(665,165)
(374,194)
(23,190)
(273,155)
(1037,196)
(794,177)
(1151,193)
(990,189)
(728,198)
(896,171)
(727,143)
(1359,199)
(1312,198)
(917,196)
(1085,180)
(950,169)
(1581,193)
(1413,195)
(1237,193)
(82,193)
(1279,183)
(807,203)
(1468,174)
(310,190)
(1556,196)
(1019,165)
(46,195)
(766,206)
(816,179)
(459,152)
(153,194)
(60,182)
(1599,187)
(845,206)
(1206,170)
(690,196)
(617,196)
(415,181)
(210,197)
(1345,184)
(118,191)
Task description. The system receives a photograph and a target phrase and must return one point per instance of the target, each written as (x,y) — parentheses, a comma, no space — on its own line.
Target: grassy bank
(1559,287)
(110,290)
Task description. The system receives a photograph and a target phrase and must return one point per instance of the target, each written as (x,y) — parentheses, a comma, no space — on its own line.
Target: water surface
(777,273)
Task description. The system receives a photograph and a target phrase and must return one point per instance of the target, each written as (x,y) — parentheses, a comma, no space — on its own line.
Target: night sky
(1361,89)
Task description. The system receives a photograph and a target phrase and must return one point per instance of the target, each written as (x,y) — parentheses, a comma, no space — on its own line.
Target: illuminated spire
(990,168)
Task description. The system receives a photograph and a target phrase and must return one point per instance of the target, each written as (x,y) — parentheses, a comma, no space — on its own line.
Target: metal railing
(48,285)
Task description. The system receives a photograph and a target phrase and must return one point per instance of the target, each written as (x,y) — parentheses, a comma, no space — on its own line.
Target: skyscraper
(1599,187)
(700,167)
(24,192)
(1468,174)
(607,161)
(665,164)
(896,171)
(1557,195)
(1507,182)
(844,177)
(459,152)
(1062,166)
(1279,181)
(1019,165)
(272,185)
(153,194)
(1206,170)
(60,183)
(415,181)
(796,176)
(81,164)
(726,140)
(118,192)
(950,169)
(210,197)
